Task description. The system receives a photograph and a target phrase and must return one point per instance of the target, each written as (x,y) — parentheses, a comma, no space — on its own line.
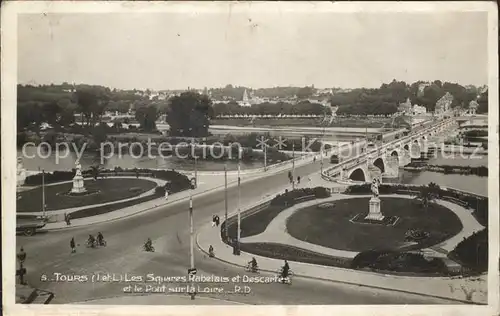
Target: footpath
(466,290)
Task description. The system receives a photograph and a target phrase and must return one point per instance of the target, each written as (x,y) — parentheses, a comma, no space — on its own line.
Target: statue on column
(78,167)
(374,188)
(78,184)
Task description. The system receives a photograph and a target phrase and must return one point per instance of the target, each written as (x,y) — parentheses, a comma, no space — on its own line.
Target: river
(470,183)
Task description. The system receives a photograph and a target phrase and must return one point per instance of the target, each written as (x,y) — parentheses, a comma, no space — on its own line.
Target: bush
(56,176)
(291,197)
(398,262)
(365,259)
(472,252)
(160,190)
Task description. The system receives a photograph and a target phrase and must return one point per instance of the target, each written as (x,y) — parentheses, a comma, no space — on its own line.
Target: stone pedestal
(375,214)
(78,186)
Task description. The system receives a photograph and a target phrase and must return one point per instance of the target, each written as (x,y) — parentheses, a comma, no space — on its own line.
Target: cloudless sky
(174,50)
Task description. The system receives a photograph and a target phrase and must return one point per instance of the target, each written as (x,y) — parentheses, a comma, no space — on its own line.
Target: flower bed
(472,252)
(398,262)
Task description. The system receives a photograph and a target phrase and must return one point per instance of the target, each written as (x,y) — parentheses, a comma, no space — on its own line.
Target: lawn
(109,190)
(257,223)
(331,227)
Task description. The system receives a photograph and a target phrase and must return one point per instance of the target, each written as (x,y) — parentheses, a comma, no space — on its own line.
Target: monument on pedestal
(78,186)
(21,172)
(374,213)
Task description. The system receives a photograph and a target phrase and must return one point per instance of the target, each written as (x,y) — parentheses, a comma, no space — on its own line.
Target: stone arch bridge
(385,161)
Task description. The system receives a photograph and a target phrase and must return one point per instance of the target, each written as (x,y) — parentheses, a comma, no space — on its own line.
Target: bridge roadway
(49,253)
(354,161)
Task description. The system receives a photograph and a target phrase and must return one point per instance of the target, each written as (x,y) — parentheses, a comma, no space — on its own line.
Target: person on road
(67,218)
(285,270)
(253,264)
(298,180)
(100,239)
(217,220)
(210,251)
(72,245)
(91,241)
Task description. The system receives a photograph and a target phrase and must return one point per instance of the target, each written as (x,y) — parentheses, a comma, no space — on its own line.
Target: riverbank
(447,169)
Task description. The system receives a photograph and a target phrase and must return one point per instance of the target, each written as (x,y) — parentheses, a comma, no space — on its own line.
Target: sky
(174,51)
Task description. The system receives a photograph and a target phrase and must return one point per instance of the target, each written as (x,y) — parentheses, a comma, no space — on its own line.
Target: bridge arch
(358,174)
(379,163)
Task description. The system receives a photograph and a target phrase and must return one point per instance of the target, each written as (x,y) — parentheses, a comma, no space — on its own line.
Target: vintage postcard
(250,158)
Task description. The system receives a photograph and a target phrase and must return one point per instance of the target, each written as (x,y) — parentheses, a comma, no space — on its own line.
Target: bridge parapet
(345,168)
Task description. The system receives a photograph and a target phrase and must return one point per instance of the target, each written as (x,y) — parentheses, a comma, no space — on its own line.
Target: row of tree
(266,108)
(236,92)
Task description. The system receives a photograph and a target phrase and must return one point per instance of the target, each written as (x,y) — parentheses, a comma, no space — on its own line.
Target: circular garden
(332,226)
(102,191)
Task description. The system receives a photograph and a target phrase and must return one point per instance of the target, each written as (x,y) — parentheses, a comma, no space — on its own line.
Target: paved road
(49,253)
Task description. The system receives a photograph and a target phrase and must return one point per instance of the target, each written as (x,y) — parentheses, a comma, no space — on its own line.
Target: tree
(483,103)
(146,116)
(51,113)
(189,114)
(305,93)
(30,116)
(95,171)
(428,194)
(91,102)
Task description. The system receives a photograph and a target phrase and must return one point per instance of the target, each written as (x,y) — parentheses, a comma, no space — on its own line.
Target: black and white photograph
(243,153)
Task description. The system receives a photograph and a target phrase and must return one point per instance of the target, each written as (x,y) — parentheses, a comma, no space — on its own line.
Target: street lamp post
(265,157)
(293,166)
(226,233)
(191,270)
(239,211)
(196,169)
(43,193)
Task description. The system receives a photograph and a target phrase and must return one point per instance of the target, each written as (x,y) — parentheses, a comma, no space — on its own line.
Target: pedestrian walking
(21,257)
(217,220)
(213,220)
(298,180)
(68,219)
(72,245)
